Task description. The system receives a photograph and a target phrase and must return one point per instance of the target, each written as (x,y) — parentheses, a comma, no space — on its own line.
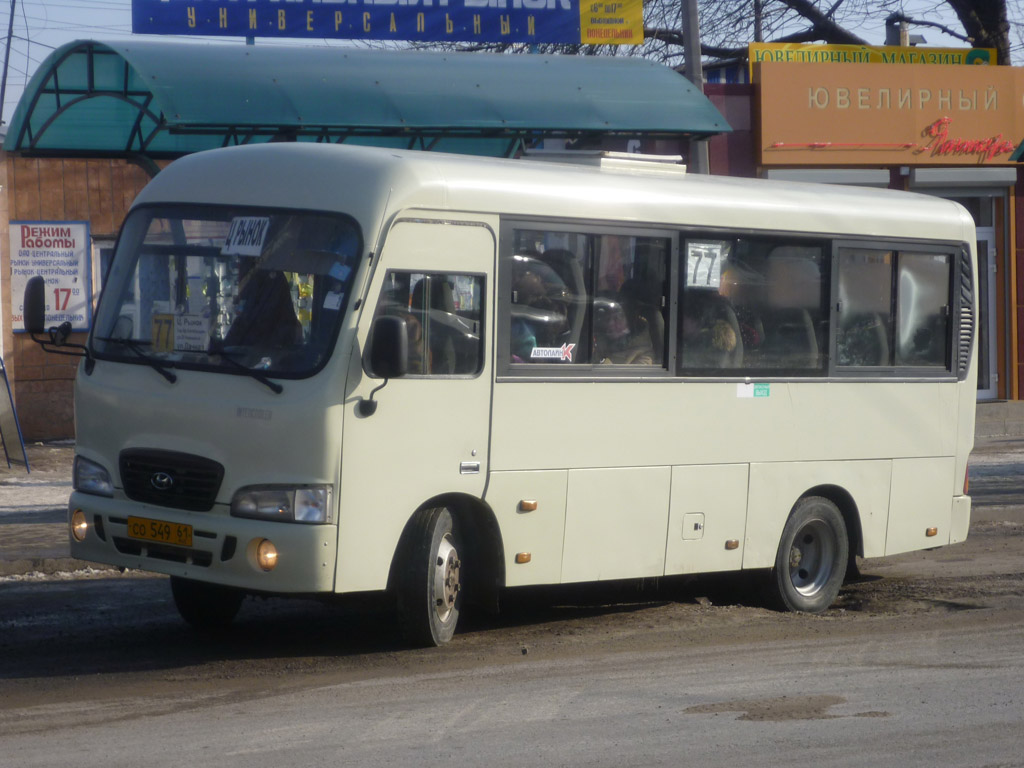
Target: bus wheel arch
(851,516)
(812,557)
(452,538)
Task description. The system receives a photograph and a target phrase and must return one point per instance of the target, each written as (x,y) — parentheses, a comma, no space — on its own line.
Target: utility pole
(7,58)
(697,160)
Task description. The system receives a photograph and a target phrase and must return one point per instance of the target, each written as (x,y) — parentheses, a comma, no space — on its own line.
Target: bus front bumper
(222,549)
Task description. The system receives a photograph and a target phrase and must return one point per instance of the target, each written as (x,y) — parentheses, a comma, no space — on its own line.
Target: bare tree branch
(823,23)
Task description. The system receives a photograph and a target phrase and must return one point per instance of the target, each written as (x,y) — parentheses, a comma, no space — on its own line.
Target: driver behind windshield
(266,316)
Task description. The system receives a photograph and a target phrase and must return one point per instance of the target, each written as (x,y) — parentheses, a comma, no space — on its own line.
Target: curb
(47,565)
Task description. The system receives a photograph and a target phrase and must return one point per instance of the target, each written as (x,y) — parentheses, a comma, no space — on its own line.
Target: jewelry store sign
(59,252)
(889,114)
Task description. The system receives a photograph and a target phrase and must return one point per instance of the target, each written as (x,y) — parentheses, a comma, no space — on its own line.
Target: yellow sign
(162,329)
(803,53)
(612,23)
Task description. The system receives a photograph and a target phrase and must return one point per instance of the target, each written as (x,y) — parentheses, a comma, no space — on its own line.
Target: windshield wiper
(134,346)
(273,386)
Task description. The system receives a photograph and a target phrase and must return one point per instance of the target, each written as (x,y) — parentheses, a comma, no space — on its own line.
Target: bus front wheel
(812,557)
(430,579)
(207,607)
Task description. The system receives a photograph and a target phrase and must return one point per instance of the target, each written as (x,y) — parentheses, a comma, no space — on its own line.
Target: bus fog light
(79,525)
(266,555)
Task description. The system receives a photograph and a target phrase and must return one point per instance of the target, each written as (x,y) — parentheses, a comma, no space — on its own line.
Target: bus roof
(372,184)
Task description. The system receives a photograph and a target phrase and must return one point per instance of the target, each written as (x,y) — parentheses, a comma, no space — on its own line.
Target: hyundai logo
(161,481)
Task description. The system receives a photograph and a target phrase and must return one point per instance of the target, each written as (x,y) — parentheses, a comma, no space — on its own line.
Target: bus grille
(170,479)
(965,308)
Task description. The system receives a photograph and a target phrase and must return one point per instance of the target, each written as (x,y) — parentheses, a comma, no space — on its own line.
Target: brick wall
(97,191)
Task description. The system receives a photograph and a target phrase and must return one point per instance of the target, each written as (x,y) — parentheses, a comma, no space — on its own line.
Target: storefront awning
(165,99)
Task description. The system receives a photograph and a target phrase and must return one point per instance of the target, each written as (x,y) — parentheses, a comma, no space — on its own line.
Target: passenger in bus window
(617,340)
(709,332)
(419,357)
(540,310)
(739,287)
(522,340)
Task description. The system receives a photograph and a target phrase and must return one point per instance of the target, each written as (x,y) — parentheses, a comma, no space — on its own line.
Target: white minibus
(322,369)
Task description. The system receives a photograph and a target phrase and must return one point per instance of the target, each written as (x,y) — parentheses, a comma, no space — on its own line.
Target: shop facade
(944,130)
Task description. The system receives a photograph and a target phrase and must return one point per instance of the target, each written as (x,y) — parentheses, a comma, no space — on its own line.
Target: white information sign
(704,262)
(246,236)
(59,252)
(191,333)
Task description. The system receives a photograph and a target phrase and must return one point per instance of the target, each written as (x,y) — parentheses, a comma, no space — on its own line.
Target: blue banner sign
(488,21)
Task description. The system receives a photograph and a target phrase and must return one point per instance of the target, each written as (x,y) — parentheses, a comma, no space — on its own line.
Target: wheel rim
(446,578)
(812,557)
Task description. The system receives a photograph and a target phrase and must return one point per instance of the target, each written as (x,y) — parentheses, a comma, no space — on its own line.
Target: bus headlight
(306,504)
(89,477)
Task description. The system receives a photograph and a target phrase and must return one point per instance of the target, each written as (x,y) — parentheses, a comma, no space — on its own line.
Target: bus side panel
(775,488)
(615,523)
(921,499)
(709,508)
(530,509)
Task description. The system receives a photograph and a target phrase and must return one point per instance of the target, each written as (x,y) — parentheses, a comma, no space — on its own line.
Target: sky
(43,25)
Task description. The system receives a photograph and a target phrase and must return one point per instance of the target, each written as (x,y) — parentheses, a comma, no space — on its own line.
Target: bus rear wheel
(812,557)
(430,579)
(206,607)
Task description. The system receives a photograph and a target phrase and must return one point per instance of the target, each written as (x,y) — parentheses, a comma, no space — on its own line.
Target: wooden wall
(97,191)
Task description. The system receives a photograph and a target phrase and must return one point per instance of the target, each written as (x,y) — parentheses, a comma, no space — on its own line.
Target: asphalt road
(921,663)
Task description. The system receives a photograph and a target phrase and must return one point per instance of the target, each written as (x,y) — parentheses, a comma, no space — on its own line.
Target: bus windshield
(227,289)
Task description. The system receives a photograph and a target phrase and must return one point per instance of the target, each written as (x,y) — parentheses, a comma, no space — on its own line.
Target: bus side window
(443,314)
(753,305)
(880,327)
(581,298)
(795,309)
(865,301)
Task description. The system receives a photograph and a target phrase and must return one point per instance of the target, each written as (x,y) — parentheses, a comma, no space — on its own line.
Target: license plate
(158,530)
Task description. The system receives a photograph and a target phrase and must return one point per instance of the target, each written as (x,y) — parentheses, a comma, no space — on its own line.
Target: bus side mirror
(388,356)
(389,347)
(56,339)
(35,305)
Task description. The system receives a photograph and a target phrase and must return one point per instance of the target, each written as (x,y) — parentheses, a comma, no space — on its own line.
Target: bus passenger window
(752,305)
(865,307)
(795,324)
(922,317)
(581,298)
(443,316)
(880,326)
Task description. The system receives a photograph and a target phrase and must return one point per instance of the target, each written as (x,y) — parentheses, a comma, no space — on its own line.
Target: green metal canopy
(165,99)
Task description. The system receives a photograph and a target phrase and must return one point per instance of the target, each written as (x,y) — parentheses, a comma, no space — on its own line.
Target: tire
(206,607)
(812,557)
(429,588)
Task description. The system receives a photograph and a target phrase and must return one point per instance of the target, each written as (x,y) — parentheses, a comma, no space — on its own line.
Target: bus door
(430,432)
